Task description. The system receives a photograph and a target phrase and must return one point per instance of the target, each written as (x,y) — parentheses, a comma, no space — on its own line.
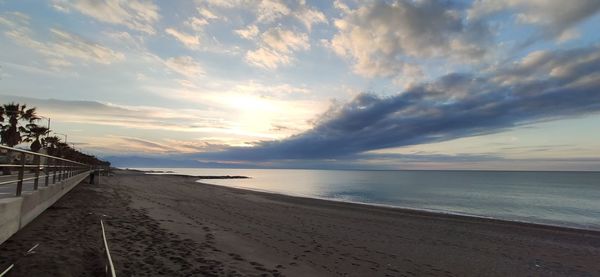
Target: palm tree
(63,150)
(34,132)
(51,141)
(52,144)
(10,133)
(2,117)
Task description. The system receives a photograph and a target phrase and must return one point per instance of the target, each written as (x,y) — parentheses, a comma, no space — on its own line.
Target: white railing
(19,166)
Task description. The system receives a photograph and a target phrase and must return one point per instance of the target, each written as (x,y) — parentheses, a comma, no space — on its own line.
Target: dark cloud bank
(543,86)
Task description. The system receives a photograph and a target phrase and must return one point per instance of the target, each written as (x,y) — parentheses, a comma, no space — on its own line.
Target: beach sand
(172,226)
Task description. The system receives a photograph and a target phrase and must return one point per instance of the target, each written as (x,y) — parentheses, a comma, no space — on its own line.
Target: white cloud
(138,117)
(185,65)
(57,64)
(386,40)
(567,35)
(125,144)
(190,41)
(253,107)
(249,32)
(270,10)
(276,48)
(68,44)
(207,13)
(267,58)
(544,64)
(308,16)
(285,41)
(225,3)
(139,15)
(197,24)
(266,11)
(340,5)
(14,19)
(63,48)
(275,90)
(554,18)
(126,39)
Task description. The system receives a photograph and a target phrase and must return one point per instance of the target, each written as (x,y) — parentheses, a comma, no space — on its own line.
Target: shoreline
(339,169)
(415,211)
(388,206)
(174,226)
(515,216)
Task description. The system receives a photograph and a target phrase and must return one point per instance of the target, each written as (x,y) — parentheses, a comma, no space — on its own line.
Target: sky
(344,84)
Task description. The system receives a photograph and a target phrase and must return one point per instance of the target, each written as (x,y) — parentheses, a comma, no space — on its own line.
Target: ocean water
(569,199)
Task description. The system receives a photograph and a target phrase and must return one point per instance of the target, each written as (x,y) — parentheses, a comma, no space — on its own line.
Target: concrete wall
(16,212)
(10,217)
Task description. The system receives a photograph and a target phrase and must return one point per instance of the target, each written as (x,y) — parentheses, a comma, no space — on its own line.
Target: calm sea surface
(556,198)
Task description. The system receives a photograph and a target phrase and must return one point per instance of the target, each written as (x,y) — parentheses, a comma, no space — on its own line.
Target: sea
(568,199)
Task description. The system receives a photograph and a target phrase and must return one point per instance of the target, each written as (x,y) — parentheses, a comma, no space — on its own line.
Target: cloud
(249,32)
(190,41)
(92,112)
(309,16)
(197,24)
(139,15)
(386,39)
(207,13)
(568,35)
(64,46)
(267,58)
(385,161)
(341,6)
(14,19)
(269,10)
(133,145)
(555,19)
(250,108)
(130,42)
(277,46)
(69,44)
(577,64)
(185,65)
(565,84)
(224,117)
(275,90)
(285,41)
(266,12)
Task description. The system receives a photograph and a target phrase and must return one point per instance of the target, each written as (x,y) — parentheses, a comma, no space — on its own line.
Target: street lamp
(46,118)
(47,131)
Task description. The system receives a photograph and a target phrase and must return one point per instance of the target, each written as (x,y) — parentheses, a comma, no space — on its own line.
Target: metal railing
(23,167)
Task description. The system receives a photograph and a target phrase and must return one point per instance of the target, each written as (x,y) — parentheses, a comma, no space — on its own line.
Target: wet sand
(172,226)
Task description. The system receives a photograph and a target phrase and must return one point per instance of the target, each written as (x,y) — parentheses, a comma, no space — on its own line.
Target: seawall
(17,212)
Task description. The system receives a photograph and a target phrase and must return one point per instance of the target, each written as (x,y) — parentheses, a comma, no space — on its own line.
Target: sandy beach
(160,225)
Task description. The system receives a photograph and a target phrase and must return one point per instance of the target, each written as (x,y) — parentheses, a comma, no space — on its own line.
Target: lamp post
(47,118)
(48,127)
